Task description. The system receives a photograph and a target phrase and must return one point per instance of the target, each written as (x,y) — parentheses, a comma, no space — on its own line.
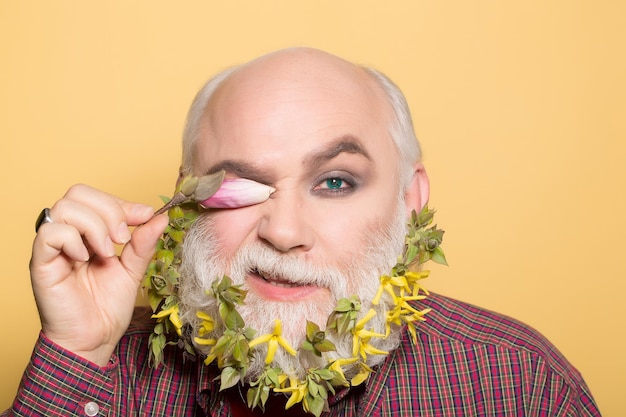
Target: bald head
(302,67)
(272,81)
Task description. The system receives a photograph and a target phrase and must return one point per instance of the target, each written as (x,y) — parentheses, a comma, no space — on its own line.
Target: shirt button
(91,409)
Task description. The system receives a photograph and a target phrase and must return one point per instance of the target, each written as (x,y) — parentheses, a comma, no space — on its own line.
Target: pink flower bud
(236,193)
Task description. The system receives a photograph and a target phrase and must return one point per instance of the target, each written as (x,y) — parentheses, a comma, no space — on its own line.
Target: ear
(417,194)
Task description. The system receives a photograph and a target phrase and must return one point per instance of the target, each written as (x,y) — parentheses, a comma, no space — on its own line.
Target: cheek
(232,228)
(347,228)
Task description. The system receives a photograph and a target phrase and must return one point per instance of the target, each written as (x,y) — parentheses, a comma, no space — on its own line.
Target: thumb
(139,251)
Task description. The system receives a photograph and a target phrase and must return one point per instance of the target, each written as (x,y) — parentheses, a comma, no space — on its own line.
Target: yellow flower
(209,359)
(413,279)
(207,324)
(337,367)
(206,327)
(282,378)
(363,374)
(172,314)
(205,342)
(297,389)
(409,282)
(273,340)
(411,319)
(387,283)
(401,310)
(361,338)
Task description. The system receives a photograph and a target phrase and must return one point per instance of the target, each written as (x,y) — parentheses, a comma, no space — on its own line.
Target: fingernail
(123,234)
(108,245)
(142,210)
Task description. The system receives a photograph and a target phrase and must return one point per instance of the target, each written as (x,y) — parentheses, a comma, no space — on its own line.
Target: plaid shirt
(467,362)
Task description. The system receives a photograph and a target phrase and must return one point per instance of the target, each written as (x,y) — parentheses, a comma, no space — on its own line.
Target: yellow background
(520,106)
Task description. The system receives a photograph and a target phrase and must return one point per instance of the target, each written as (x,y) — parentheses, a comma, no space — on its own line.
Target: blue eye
(334,183)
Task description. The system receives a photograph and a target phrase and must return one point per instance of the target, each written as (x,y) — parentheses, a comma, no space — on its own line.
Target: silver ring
(44,217)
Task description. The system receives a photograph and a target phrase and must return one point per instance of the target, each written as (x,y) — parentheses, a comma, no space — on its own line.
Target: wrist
(99,356)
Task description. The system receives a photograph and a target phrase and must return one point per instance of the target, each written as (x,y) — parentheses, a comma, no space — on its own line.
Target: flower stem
(177,199)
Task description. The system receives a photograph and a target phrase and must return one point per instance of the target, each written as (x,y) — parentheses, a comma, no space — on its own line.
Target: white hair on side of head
(401,129)
(195,114)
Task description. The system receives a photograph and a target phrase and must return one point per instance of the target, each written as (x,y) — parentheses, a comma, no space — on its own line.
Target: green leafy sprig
(259,390)
(316,340)
(234,348)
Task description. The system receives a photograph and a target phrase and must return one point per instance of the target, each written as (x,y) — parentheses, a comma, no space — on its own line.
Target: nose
(284,223)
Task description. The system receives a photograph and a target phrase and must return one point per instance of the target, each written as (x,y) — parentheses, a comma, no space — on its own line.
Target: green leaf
(253,396)
(157,344)
(265,393)
(164,256)
(343,324)
(424,256)
(311,329)
(233,320)
(313,388)
(272,376)
(240,350)
(425,217)
(224,310)
(176,213)
(325,374)
(208,185)
(436,234)
(316,405)
(306,345)
(343,305)
(172,276)
(238,355)
(188,185)
(249,333)
(325,346)
(322,392)
(411,253)
(154,299)
(229,377)
(177,235)
(438,256)
(222,343)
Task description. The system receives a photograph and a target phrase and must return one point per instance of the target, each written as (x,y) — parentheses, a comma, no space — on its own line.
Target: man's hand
(85,293)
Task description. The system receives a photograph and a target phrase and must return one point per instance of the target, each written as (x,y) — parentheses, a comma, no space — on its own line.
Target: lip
(281,292)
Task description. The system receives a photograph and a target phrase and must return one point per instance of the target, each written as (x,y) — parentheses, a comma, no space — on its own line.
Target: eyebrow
(344,144)
(244,169)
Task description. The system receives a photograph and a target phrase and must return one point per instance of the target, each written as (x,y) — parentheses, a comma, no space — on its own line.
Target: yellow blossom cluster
(400,289)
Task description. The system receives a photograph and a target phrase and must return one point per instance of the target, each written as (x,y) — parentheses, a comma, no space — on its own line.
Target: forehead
(291,108)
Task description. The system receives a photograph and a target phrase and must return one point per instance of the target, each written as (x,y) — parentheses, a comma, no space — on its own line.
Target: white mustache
(258,258)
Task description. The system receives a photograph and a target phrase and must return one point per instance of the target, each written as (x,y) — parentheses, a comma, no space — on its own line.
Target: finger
(136,213)
(116,213)
(139,251)
(86,221)
(56,239)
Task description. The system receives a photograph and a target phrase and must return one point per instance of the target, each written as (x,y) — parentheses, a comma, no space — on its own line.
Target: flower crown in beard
(233,350)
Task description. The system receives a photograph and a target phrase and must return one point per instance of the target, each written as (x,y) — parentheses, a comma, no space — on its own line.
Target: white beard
(374,254)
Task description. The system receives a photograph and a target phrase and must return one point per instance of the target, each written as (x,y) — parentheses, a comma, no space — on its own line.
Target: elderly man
(335,143)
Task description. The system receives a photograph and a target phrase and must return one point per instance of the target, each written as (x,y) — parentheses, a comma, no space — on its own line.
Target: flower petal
(261,339)
(239,192)
(272,346)
(285,344)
